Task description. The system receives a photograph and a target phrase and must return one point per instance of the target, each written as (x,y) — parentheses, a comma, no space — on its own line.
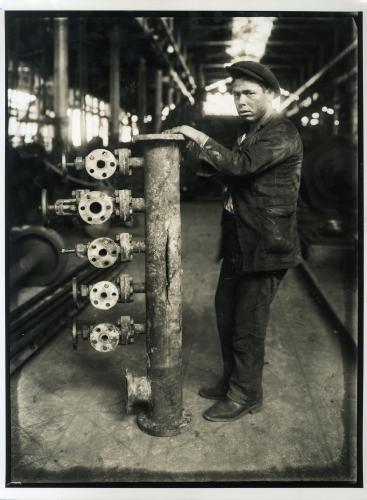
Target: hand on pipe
(190,133)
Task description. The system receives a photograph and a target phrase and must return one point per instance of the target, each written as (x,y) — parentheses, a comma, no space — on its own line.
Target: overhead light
(315,115)
(324,109)
(250,36)
(336,122)
(330,111)
(134,118)
(304,120)
(172,106)
(170,49)
(314,121)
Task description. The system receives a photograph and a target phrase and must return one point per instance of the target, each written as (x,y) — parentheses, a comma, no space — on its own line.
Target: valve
(102,164)
(94,207)
(106,294)
(104,252)
(105,337)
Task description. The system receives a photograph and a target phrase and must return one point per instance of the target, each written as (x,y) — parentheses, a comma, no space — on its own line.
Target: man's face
(252,100)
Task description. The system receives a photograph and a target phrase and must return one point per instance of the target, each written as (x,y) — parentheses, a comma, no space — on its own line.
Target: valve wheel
(74,334)
(105,337)
(75,292)
(95,207)
(100,164)
(104,295)
(44,207)
(103,252)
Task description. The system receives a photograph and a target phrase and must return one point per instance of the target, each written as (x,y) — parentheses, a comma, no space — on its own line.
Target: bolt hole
(103,217)
(95,302)
(104,348)
(108,305)
(94,341)
(114,252)
(98,330)
(112,163)
(106,285)
(104,175)
(94,246)
(91,170)
(89,218)
(95,207)
(106,262)
(108,207)
(94,289)
(102,252)
(114,294)
(82,207)
(101,164)
(94,259)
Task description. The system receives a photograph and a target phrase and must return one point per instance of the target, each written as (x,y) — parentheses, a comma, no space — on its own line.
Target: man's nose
(243,99)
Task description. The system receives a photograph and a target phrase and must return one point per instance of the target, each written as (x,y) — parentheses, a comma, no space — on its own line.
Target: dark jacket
(263,174)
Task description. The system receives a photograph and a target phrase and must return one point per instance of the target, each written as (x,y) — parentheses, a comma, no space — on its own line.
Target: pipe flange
(100,164)
(104,337)
(103,252)
(95,207)
(104,295)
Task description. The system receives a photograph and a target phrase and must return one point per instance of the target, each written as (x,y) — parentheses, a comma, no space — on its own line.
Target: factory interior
(87,95)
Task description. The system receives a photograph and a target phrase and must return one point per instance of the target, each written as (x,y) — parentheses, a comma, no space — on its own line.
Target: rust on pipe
(166,416)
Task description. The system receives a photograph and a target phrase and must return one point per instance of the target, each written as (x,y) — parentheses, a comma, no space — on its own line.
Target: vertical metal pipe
(82,56)
(114,84)
(163,286)
(158,101)
(61,80)
(142,94)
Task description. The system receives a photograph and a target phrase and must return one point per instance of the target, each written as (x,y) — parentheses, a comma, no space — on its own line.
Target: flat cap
(254,71)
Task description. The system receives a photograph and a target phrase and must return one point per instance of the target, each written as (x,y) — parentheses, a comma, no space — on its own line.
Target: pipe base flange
(150,426)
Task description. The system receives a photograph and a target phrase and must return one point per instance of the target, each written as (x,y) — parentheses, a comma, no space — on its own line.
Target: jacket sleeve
(273,145)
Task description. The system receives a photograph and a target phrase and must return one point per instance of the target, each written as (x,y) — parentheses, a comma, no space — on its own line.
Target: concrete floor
(68,423)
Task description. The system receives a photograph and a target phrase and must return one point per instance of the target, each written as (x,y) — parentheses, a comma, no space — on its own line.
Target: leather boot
(228,410)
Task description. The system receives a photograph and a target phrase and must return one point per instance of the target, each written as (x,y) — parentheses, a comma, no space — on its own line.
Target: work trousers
(242,304)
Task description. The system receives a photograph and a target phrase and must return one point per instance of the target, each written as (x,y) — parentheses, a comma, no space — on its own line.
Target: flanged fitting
(103,252)
(100,164)
(104,295)
(95,207)
(105,337)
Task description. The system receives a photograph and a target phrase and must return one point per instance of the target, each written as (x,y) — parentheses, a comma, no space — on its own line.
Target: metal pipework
(166,416)
(94,207)
(101,164)
(106,294)
(61,89)
(104,252)
(35,253)
(105,337)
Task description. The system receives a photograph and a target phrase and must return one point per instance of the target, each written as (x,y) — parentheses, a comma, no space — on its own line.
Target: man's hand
(190,133)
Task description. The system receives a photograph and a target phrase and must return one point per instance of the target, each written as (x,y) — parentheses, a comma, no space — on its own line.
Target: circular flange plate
(103,252)
(95,207)
(100,164)
(104,295)
(104,337)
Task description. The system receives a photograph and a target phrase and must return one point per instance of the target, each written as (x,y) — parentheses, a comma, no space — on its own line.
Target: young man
(259,232)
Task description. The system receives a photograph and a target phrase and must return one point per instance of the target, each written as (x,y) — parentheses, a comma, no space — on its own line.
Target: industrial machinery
(36,258)
(161,388)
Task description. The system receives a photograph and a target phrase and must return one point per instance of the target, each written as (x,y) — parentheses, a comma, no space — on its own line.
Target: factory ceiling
(192,48)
